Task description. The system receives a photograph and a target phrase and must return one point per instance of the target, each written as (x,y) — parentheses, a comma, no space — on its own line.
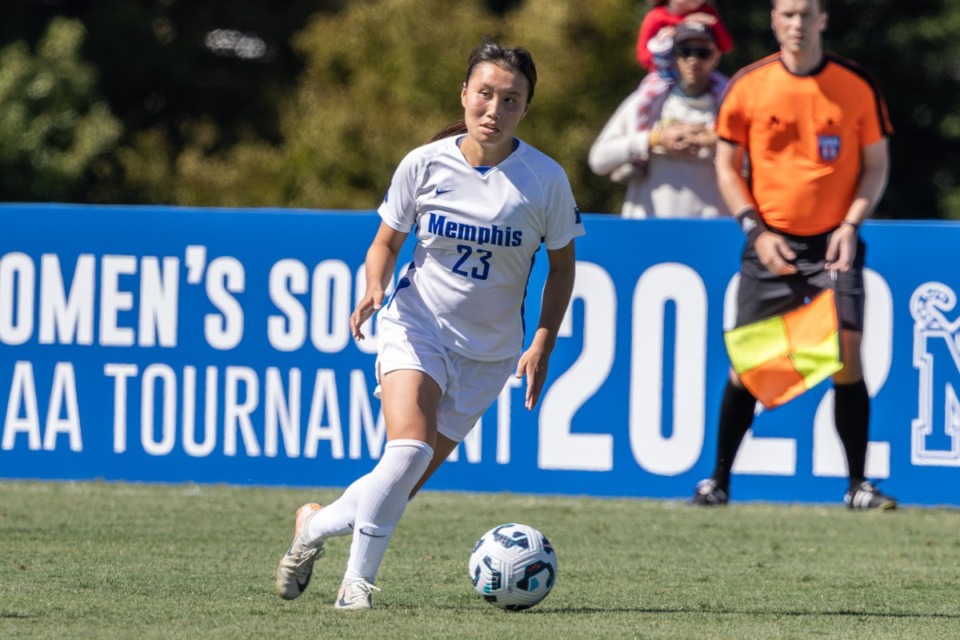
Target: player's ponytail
(453,129)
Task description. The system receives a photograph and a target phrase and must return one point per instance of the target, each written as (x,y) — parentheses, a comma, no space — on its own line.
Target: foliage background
(311,103)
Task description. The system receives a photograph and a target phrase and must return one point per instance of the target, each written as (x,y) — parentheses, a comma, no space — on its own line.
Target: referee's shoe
(709,493)
(864,496)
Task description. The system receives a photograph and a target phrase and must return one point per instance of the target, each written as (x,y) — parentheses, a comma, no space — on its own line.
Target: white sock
(383,497)
(337,518)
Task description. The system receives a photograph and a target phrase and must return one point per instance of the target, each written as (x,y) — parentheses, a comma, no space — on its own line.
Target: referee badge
(829,146)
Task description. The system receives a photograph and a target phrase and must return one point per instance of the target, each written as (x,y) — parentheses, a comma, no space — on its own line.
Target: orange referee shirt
(803,136)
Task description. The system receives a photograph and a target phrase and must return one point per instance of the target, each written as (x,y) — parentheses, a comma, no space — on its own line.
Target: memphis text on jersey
(501,237)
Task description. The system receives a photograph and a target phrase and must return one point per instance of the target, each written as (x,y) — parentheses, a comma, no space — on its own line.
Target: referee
(813,127)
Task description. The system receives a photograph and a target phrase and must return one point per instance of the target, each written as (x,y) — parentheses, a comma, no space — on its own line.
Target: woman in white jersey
(481,202)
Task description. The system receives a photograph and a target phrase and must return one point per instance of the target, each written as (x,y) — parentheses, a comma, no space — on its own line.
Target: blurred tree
(312,103)
(383,76)
(54,128)
(375,74)
(195,80)
(202,75)
(379,78)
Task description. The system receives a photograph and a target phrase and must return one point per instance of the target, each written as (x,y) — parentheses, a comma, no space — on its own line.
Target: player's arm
(380,263)
(875,168)
(772,248)
(556,296)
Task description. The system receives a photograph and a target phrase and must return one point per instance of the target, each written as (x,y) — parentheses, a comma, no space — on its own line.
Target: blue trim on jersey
(484,169)
(523,303)
(403,284)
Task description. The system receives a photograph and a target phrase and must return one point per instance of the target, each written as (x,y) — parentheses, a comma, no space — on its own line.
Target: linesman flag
(779,358)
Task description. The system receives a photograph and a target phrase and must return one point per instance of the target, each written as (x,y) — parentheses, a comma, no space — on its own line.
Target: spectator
(665,15)
(660,141)
(814,126)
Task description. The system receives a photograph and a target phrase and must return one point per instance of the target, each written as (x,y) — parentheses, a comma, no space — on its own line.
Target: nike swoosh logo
(440,191)
(303,585)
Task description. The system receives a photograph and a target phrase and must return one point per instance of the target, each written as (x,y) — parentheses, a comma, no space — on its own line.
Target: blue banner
(212,345)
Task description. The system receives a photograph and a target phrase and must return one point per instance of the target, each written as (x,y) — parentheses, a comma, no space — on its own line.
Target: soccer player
(480,203)
(814,127)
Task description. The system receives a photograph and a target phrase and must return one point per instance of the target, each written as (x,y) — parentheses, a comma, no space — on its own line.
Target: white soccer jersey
(477,234)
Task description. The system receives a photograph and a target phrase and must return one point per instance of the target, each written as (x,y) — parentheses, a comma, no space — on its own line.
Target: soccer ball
(513,566)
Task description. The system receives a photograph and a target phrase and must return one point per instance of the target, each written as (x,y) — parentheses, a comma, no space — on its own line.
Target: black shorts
(763,294)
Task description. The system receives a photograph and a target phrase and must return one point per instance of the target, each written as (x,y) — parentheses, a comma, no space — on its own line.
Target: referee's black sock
(852,415)
(736,416)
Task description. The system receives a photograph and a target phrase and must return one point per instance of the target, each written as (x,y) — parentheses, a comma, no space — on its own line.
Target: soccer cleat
(296,566)
(709,494)
(355,595)
(866,497)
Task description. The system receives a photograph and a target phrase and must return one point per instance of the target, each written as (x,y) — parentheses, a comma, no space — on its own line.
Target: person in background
(661,142)
(665,15)
(814,126)
(481,203)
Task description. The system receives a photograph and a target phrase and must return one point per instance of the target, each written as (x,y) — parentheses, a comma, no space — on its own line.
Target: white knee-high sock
(383,497)
(337,518)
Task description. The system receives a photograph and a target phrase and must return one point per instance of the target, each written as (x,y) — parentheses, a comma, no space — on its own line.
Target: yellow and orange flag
(779,358)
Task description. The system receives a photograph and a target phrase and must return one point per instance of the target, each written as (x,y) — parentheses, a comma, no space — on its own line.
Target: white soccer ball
(513,566)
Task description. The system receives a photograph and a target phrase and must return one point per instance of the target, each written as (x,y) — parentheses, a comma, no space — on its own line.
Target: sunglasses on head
(701,52)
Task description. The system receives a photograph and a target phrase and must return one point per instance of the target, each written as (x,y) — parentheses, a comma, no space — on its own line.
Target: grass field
(94,560)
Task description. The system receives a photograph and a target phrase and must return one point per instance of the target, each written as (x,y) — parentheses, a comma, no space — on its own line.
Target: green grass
(94,560)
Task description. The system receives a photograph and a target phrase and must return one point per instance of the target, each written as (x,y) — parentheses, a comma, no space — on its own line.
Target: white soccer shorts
(469,387)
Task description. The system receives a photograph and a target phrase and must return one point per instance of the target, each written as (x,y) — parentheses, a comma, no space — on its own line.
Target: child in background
(670,13)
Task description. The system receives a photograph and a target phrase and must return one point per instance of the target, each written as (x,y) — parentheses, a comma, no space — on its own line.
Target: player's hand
(842,248)
(775,254)
(533,365)
(368,305)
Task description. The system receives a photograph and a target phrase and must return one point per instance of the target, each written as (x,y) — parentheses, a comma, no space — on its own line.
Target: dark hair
(456,128)
(660,3)
(821,4)
(516,59)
